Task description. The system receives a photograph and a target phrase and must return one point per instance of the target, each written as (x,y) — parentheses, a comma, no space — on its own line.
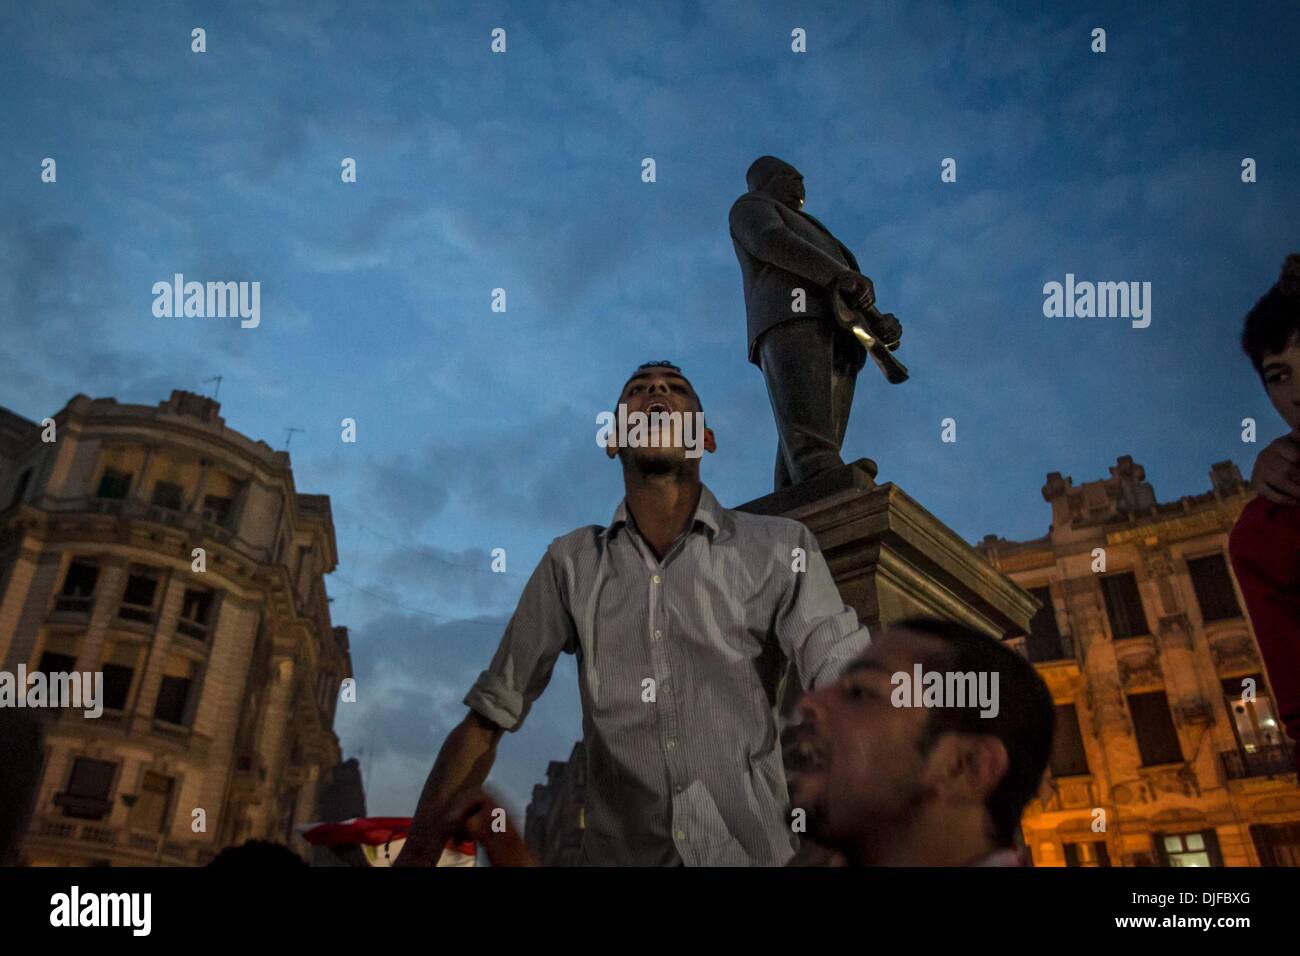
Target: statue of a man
(791,265)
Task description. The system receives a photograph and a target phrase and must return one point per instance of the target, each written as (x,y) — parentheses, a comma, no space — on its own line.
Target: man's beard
(651,464)
(885,820)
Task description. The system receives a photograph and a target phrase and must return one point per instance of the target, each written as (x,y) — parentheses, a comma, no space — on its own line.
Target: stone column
(26,601)
(168,612)
(108,597)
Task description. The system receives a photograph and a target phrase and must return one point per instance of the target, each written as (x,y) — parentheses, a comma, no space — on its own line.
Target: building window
(55,663)
(117,685)
(1213,587)
(1044,641)
(86,796)
(288,811)
(138,599)
(173,704)
(1087,853)
(1154,726)
(1069,759)
(168,495)
(78,592)
(196,613)
(1124,605)
(114,484)
(21,488)
(152,803)
(1254,718)
(1189,849)
(216,509)
(1278,844)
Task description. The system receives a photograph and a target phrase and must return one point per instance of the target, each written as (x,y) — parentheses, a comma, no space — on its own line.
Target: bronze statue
(811,316)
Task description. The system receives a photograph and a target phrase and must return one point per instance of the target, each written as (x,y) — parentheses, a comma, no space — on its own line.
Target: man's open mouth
(657,407)
(807,754)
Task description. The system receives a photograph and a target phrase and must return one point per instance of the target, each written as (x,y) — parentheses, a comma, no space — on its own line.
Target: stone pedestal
(892,559)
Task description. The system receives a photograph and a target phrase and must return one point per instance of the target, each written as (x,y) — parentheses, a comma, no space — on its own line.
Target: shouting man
(885,782)
(682,615)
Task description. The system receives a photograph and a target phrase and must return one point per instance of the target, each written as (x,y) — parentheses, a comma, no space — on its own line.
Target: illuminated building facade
(174,556)
(1168,749)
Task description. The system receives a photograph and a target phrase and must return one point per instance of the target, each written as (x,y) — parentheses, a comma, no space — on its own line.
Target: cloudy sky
(522,171)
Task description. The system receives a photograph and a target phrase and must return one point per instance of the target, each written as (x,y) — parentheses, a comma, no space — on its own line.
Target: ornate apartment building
(1168,748)
(174,556)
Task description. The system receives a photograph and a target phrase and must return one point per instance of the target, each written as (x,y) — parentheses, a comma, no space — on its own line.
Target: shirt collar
(708,513)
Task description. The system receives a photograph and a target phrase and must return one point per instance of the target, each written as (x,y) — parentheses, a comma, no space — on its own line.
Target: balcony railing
(210,523)
(1045,650)
(1272,761)
(74,603)
(191,628)
(155,845)
(141,613)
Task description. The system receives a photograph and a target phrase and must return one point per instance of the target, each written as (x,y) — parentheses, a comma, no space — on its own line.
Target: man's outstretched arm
(463,764)
(539,631)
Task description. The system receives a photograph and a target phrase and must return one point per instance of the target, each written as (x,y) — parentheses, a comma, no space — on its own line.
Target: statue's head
(778,179)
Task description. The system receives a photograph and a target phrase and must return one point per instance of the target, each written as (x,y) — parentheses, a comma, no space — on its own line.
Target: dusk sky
(522,171)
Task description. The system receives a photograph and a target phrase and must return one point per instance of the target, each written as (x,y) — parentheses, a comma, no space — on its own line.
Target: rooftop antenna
(217,379)
(288,435)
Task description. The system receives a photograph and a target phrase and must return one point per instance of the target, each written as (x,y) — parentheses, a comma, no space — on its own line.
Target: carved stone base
(892,559)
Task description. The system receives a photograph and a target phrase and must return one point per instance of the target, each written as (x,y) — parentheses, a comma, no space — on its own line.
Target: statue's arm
(759,229)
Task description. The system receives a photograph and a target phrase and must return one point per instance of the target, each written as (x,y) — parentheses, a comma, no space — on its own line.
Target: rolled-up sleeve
(539,630)
(816,629)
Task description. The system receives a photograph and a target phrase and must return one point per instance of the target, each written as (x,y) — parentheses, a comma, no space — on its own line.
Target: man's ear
(611,447)
(968,766)
(710,443)
(984,761)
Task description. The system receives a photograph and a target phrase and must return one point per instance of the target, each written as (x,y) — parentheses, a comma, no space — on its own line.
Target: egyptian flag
(380,838)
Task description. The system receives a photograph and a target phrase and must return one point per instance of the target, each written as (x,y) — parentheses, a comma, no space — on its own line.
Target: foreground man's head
(658,389)
(886,782)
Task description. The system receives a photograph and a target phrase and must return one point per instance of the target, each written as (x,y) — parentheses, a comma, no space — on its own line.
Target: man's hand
(478,816)
(858,290)
(1277,471)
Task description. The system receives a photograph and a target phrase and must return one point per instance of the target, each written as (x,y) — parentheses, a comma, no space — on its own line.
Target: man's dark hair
(662,364)
(1274,322)
(1024,723)
(257,854)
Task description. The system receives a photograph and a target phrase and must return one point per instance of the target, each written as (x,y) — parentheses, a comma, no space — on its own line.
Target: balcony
(139,613)
(74,603)
(1044,650)
(212,523)
(1275,761)
(135,846)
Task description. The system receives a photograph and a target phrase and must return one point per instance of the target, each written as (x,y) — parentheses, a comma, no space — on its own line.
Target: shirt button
(671,743)
(658,634)
(681,834)
(678,788)
(655,579)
